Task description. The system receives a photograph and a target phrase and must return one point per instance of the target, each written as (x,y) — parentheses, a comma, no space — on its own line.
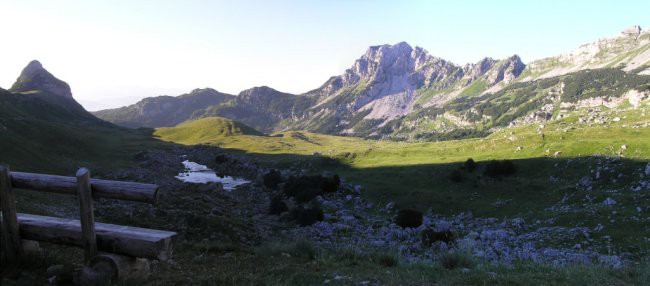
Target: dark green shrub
(470,165)
(456,176)
(502,168)
(220,159)
(429,236)
(306,188)
(303,188)
(307,216)
(408,218)
(330,185)
(277,206)
(272,179)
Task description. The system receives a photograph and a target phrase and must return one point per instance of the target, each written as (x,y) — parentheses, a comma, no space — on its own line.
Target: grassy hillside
(572,138)
(205,129)
(45,133)
(477,114)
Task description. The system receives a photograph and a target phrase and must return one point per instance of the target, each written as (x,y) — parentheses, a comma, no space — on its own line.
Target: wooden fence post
(12,245)
(87,216)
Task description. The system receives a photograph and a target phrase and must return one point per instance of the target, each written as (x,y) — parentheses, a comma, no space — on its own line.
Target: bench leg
(12,248)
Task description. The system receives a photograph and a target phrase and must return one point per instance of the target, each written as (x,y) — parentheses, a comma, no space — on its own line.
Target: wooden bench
(119,245)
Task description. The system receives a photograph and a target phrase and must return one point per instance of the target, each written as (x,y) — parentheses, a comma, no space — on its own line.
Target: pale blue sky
(113,53)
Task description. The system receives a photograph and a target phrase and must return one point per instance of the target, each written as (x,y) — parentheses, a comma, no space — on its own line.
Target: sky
(113,53)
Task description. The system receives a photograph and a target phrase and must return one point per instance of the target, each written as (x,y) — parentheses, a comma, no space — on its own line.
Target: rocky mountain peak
(389,58)
(506,70)
(258,90)
(474,71)
(33,67)
(203,91)
(633,31)
(35,77)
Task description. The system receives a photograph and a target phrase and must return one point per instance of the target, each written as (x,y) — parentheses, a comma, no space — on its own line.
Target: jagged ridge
(388,87)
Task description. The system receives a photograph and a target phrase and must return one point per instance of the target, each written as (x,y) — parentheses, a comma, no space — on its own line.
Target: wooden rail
(93,237)
(128,191)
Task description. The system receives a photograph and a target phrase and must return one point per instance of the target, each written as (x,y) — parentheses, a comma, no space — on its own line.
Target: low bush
(306,188)
(220,159)
(469,165)
(330,185)
(303,188)
(272,179)
(408,218)
(307,216)
(277,206)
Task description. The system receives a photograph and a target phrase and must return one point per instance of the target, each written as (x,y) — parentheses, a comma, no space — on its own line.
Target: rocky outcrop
(633,31)
(474,71)
(506,71)
(35,77)
(628,51)
(634,97)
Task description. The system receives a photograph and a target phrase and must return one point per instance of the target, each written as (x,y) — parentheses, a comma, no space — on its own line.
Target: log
(11,242)
(120,267)
(86,214)
(125,240)
(129,191)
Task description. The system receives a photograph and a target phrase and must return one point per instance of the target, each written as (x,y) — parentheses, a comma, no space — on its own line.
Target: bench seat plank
(126,240)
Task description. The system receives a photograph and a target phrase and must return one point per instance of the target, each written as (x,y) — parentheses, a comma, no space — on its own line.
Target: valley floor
(574,213)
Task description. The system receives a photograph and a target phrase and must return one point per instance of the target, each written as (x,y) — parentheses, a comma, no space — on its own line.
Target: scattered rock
(609,202)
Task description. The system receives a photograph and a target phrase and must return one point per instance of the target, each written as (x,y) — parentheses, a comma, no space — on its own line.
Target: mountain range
(403,92)
(398,92)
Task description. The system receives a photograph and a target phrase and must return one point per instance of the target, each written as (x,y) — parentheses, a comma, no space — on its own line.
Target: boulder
(609,202)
